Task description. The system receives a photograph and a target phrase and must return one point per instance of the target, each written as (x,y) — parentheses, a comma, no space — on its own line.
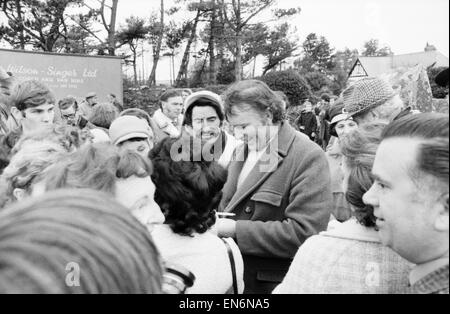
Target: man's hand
(226,228)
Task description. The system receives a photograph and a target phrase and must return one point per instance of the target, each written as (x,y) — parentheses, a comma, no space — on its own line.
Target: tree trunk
(19,17)
(220,27)
(238,57)
(133,50)
(157,51)
(212,40)
(185,61)
(238,53)
(112,29)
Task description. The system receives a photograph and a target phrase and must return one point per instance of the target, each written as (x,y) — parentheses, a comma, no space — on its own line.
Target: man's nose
(369,198)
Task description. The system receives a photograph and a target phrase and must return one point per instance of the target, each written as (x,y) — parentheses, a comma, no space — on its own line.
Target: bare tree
(158,34)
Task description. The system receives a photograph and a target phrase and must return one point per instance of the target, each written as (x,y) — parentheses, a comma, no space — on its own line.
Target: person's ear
(269,116)
(16,113)
(441,222)
(189,130)
(19,194)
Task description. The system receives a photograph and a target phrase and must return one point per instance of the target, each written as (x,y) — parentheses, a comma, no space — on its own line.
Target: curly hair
(187,191)
(96,166)
(67,136)
(359,148)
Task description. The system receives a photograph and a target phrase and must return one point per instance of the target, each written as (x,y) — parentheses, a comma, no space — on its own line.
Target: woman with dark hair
(76,241)
(341,124)
(350,258)
(188,192)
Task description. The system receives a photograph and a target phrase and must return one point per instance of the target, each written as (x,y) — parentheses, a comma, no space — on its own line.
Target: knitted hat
(366,94)
(128,127)
(214,99)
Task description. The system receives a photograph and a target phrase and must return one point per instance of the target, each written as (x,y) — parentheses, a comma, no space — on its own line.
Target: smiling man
(410,196)
(204,119)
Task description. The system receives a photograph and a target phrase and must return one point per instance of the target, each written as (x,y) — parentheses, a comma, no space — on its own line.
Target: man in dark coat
(278,186)
(307,122)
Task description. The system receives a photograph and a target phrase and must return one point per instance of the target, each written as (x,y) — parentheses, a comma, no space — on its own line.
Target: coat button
(247,210)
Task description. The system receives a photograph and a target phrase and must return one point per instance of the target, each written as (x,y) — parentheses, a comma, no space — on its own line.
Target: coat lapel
(256,178)
(262,170)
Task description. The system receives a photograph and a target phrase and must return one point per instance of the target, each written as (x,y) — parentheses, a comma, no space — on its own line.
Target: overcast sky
(404,25)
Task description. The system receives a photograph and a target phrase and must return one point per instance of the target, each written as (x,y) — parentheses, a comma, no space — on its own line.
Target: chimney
(429,47)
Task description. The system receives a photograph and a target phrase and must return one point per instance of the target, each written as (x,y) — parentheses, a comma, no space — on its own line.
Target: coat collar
(269,162)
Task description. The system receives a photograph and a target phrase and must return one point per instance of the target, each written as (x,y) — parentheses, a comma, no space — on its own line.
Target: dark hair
(114,252)
(359,148)
(4,158)
(169,94)
(136,112)
(257,95)
(103,115)
(30,94)
(202,102)
(433,130)
(325,97)
(67,102)
(96,166)
(187,191)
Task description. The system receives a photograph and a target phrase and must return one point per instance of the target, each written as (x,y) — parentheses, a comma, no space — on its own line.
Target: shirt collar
(422,270)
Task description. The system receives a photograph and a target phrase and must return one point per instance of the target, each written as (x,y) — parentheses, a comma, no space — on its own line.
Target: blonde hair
(26,165)
(96,166)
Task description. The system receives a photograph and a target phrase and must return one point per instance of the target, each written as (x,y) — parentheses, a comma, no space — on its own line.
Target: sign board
(67,74)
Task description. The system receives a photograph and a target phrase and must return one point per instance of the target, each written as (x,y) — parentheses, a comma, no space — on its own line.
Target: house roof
(375,66)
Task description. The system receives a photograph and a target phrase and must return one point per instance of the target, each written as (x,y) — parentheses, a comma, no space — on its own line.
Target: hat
(336,115)
(442,78)
(128,127)
(366,94)
(90,95)
(215,100)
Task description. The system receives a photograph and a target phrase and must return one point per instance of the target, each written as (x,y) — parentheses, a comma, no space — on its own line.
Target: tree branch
(86,29)
(268,3)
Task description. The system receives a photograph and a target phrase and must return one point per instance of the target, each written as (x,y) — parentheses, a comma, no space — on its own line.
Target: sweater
(205,255)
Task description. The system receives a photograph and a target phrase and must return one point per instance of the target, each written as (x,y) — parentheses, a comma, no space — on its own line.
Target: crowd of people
(215,194)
